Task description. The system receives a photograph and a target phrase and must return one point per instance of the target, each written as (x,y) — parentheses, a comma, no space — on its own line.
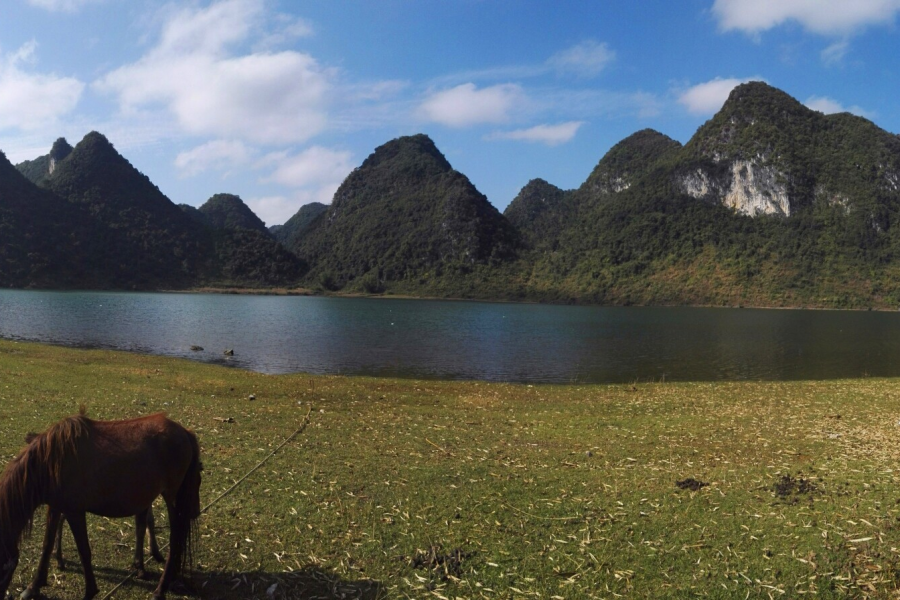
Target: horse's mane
(36,471)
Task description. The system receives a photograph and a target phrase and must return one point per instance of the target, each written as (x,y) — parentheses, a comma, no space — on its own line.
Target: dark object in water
(229,352)
(196,348)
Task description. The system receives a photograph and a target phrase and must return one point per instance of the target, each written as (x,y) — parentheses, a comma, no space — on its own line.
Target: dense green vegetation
(227,211)
(148,241)
(293,230)
(405,215)
(649,225)
(44,241)
(648,242)
(425,489)
(120,231)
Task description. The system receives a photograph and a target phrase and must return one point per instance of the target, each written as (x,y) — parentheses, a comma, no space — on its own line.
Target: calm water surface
(465,340)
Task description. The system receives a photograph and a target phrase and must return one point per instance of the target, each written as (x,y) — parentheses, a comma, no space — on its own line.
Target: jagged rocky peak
(60,150)
(628,160)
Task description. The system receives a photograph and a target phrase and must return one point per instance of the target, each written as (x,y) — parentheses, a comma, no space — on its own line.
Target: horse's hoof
(158,557)
(141,574)
(28,594)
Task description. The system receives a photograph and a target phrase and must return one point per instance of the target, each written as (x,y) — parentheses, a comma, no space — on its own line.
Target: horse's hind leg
(151,530)
(60,561)
(40,578)
(78,525)
(140,526)
(179,531)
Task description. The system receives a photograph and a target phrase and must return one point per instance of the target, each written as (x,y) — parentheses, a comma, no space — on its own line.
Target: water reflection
(443,339)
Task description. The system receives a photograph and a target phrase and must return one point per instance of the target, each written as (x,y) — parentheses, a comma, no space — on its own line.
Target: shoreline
(319,293)
(282,291)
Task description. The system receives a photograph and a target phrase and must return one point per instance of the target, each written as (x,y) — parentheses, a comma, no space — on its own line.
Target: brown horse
(108,468)
(141,523)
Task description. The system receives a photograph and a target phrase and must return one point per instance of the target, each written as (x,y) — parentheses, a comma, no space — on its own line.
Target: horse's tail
(187,504)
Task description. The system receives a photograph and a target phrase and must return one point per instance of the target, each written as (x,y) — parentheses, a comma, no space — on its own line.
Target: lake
(465,340)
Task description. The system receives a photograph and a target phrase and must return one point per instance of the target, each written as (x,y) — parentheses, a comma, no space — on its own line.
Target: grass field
(426,489)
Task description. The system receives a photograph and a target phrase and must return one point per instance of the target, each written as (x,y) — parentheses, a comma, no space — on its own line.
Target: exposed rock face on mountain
(768,203)
(296,227)
(227,211)
(405,213)
(764,153)
(39,169)
(59,152)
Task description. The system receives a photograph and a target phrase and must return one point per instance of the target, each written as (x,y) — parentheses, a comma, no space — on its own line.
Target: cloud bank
(193,74)
(707,98)
(551,135)
(466,105)
(29,101)
(826,17)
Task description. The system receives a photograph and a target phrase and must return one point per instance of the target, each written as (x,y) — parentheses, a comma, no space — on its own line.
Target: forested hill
(128,234)
(405,216)
(768,204)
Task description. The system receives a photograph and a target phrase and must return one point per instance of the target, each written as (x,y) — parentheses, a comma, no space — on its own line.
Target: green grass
(525,491)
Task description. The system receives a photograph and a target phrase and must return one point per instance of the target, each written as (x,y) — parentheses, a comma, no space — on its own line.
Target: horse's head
(9,560)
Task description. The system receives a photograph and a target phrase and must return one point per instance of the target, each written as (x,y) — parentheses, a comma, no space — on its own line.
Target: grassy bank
(470,490)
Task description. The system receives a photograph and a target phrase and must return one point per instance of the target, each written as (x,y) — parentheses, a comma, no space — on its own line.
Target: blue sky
(279,100)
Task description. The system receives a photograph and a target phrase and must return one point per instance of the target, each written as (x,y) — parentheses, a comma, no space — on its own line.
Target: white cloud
(287,28)
(552,135)
(62,5)
(827,17)
(261,97)
(217,154)
(586,59)
(466,105)
(275,210)
(829,106)
(314,166)
(29,101)
(707,98)
(313,175)
(834,54)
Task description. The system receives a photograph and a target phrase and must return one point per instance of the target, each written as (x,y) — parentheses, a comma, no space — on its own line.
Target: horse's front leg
(40,578)
(78,525)
(140,526)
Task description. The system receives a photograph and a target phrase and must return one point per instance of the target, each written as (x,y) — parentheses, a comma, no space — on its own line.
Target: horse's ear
(29,437)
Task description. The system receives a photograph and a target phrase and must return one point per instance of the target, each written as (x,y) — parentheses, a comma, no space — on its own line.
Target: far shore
(390,296)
